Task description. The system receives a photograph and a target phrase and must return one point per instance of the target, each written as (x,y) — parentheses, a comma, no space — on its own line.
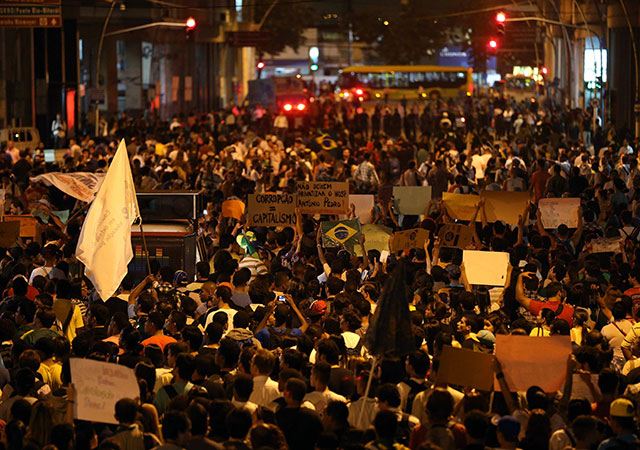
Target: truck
(287,94)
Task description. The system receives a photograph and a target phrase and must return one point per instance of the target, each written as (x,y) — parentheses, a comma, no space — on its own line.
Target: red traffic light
(493,43)
(544,71)
(190,23)
(501,17)
(260,65)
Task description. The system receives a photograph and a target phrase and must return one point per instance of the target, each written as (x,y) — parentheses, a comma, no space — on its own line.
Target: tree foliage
(285,24)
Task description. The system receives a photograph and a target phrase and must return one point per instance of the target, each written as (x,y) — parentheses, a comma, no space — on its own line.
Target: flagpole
(367,389)
(144,244)
(77,213)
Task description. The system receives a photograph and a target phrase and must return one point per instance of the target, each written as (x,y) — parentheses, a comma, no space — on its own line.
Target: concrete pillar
(132,75)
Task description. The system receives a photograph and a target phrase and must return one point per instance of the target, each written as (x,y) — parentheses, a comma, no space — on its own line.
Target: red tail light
(288,107)
(301,106)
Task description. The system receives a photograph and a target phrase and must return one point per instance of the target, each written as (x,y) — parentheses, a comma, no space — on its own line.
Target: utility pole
(636,106)
(350,20)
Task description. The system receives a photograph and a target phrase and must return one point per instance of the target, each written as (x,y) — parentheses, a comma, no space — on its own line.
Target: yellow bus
(362,83)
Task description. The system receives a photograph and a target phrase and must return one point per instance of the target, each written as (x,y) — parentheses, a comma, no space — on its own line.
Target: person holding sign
(556,295)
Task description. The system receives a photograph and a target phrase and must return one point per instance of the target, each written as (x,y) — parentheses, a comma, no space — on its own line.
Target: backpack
(357,350)
(278,338)
(416,388)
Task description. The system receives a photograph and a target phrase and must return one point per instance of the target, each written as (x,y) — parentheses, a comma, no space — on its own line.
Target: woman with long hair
(40,424)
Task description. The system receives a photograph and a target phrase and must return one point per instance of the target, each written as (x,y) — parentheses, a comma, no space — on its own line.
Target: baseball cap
(509,427)
(453,271)
(486,338)
(318,308)
(621,407)
(181,278)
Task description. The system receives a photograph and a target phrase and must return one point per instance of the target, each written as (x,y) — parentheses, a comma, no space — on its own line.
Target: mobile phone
(281,298)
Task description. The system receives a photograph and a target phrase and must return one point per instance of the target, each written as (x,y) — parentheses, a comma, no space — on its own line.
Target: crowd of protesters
(266,346)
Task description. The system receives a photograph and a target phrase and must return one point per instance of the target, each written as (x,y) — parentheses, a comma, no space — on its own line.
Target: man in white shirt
(322,395)
(265,390)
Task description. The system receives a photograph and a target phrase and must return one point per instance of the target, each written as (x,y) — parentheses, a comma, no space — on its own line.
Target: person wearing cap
(507,431)
(622,414)
(50,253)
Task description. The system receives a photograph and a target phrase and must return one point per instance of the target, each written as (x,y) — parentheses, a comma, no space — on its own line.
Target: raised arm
(148,281)
(303,322)
(575,239)
(520,296)
(323,261)
(504,386)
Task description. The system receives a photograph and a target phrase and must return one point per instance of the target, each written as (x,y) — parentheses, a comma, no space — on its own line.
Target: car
(23,137)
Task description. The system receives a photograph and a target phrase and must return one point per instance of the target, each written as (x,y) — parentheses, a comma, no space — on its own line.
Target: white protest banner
(559,211)
(271,209)
(364,204)
(99,385)
(533,361)
(323,197)
(486,268)
(605,245)
(80,185)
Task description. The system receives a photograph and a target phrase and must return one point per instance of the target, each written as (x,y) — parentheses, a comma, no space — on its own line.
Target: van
(24,137)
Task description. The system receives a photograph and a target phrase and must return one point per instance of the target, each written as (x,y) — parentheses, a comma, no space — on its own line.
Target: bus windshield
(520,83)
(404,80)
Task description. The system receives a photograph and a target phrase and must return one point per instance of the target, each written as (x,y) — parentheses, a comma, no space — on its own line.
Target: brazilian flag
(343,233)
(326,142)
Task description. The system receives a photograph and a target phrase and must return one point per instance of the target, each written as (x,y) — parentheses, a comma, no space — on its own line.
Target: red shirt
(536,306)
(161,341)
(634,293)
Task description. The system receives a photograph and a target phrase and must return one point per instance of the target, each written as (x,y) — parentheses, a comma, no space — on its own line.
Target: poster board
(376,237)
(411,200)
(29,226)
(99,385)
(460,206)
(233,208)
(558,211)
(323,197)
(364,204)
(408,239)
(605,245)
(271,209)
(455,235)
(532,361)
(486,268)
(504,206)
(341,233)
(463,367)
(9,233)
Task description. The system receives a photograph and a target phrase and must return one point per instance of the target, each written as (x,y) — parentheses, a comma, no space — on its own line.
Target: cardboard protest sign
(466,368)
(533,361)
(376,237)
(233,208)
(364,204)
(604,245)
(408,239)
(460,206)
(341,233)
(28,225)
(271,209)
(99,385)
(455,235)
(412,200)
(323,197)
(558,211)
(505,206)
(486,268)
(9,233)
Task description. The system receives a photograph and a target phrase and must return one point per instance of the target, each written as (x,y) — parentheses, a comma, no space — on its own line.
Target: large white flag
(80,185)
(104,246)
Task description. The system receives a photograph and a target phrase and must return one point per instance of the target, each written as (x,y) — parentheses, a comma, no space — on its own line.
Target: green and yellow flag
(326,142)
(343,233)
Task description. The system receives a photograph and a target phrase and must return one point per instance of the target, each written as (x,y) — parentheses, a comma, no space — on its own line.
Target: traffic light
(190,26)
(313,66)
(259,67)
(493,44)
(501,18)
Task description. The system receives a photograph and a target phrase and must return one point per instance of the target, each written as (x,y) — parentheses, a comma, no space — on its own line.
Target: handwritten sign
(9,233)
(559,211)
(605,245)
(28,225)
(455,235)
(233,208)
(376,237)
(364,204)
(504,206)
(408,239)
(486,268)
(466,368)
(532,361)
(99,385)
(271,209)
(323,197)
(412,200)
(460,206)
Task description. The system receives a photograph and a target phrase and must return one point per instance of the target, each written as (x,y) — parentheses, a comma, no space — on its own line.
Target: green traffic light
(313,67)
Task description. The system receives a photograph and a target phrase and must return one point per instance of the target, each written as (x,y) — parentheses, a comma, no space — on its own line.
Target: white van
(24,137)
